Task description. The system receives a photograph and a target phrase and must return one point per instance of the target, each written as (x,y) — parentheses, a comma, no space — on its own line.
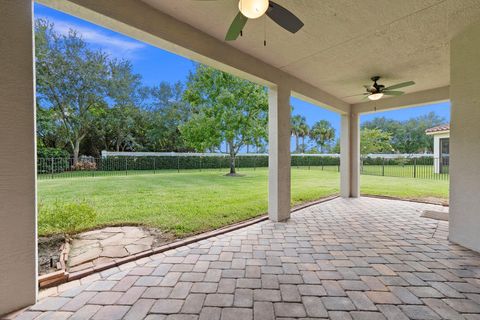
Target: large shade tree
(408,136)
(70,80)
(126,95)
(374,141)
(167,112)
(224,108)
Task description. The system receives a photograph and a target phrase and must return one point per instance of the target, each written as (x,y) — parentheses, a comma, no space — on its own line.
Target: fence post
(126,166)
(254,163)
(200,161)
(308,161)
(414,167)
(154,166)
(178,164)
(383,166)
(52,169)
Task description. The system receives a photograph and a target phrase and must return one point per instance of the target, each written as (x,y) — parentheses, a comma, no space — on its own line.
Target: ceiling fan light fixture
(375,96)
(253,9)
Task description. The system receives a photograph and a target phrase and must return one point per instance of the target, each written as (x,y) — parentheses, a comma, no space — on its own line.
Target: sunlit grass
(192,202)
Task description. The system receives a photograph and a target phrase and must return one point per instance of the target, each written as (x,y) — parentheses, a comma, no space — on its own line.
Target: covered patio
(355,255)
(360,258)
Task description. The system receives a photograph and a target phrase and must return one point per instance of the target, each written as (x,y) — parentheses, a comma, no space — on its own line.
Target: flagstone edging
(59,277)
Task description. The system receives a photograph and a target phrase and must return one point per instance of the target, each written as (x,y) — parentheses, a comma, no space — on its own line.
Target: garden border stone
(59,277)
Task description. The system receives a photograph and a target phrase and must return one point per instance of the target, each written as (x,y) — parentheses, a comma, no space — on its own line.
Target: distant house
(441,147)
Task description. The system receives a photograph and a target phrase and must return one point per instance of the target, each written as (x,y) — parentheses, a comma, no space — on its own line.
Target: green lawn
(191,202)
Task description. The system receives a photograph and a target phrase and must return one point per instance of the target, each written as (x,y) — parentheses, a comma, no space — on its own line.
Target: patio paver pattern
(343,259)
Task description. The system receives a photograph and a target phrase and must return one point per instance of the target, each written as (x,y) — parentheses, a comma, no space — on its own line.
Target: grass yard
(191,202)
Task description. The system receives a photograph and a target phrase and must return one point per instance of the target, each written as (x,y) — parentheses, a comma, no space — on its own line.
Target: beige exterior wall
(465,138)
(17,157)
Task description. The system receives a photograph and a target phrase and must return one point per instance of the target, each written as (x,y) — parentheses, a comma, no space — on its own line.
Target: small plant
(66,218)
(401,161)
(84,165)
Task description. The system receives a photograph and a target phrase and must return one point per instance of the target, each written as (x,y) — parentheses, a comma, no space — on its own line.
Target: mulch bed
(49,249)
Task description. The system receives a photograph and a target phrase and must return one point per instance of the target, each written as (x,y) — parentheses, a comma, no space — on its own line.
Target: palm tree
(303,132)
(322,133)
(296,123)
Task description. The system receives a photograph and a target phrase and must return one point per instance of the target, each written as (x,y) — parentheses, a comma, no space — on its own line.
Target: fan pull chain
(265,30)
(241,7)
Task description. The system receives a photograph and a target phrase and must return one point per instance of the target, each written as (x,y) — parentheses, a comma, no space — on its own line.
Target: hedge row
(55,165)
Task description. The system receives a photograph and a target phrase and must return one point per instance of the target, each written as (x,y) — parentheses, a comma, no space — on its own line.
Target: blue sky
(156,65)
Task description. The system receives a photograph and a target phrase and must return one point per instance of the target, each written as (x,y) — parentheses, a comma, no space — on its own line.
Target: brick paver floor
(343,259)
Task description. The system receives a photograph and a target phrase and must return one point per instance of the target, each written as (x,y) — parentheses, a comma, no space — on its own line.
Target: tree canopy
(408,136)
(322,133)
(71,79)
(88,101)
(224,108)
(374,141)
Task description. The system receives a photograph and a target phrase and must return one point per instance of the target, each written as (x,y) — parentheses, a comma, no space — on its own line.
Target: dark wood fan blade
(400,85)
(236,27)
(393,93)
(284,18)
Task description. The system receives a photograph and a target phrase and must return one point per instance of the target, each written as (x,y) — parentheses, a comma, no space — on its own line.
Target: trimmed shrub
(84,165)
(203,162)
(52,160)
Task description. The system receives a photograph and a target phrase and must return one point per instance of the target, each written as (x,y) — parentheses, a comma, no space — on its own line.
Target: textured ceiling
(344,42)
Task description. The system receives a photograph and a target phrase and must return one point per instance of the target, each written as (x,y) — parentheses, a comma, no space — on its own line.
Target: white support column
(18,250)
(350,156)
(279,153)
(464,217)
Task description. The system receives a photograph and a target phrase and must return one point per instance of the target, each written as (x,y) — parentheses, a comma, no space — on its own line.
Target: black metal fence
(420,167)
(51,168)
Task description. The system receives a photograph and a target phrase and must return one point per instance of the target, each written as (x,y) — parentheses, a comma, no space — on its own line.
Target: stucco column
(18,251)
(279,153)
(464,167)
(350,156)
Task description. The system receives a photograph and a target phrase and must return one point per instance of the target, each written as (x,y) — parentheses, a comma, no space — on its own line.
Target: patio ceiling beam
(140,21)
(414,99)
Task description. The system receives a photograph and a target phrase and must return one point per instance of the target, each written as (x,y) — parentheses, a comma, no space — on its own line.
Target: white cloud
(116,46)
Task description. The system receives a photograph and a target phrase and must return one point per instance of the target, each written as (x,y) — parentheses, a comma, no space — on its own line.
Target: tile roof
(443,127)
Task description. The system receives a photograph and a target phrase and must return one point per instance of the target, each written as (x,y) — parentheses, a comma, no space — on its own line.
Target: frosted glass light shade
(375,96)
(253,9)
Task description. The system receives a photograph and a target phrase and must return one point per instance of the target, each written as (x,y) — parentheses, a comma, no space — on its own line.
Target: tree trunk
(232,158)
(76,151)
(296,144)
(303,144)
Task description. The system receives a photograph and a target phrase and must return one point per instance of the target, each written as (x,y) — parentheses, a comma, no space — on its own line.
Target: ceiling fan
(253,9)
(377,91)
